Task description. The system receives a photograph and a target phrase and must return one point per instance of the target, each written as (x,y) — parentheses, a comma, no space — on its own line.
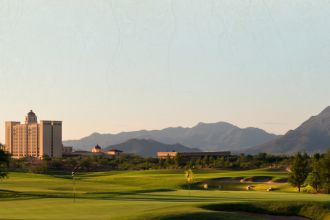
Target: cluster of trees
(84,164)
(241,161)
(313,171)
(134,162)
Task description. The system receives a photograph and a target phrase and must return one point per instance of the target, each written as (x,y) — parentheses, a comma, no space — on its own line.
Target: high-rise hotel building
(33,139)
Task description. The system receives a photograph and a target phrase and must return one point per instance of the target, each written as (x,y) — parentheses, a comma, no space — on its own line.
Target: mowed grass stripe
(148,194)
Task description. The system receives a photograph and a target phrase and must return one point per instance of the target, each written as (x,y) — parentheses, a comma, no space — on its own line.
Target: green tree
(161,163)
(205,162)
(4,162)
(168,162)
(191,163)
(178,161)
(325,170)
(315,179)
(299,170)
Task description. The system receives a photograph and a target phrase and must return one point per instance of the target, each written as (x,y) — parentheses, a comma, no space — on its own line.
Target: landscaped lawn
(154,194)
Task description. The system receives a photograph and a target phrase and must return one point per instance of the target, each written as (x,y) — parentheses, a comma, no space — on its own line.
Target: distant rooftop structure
(111,152)
(97,149)
(31,117)
(114,152)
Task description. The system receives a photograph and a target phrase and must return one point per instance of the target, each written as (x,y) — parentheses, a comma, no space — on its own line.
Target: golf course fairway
(152,194)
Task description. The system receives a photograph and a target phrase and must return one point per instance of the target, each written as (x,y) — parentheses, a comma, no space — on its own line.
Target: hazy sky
(111,66)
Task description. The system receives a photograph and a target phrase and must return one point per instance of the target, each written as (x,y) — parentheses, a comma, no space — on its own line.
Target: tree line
(135,162)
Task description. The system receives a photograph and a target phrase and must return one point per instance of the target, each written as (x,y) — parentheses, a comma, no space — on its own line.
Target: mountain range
(204,136)
(313,136)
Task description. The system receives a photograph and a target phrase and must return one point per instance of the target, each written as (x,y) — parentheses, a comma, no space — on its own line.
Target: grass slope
(154,194)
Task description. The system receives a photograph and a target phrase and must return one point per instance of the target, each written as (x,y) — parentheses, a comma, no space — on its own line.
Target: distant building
(164,155)
(114,152)
(97,149)
(67,150)
(33,139)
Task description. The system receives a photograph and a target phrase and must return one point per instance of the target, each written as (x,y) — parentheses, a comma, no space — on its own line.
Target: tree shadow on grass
(313,210)
(9,195)
(134,192)
(205,216)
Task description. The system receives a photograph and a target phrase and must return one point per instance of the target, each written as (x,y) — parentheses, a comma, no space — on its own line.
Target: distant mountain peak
(312,136)
(214,123)
(95,134)
(326,110)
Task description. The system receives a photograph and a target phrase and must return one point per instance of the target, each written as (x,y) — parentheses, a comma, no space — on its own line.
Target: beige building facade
(33,139)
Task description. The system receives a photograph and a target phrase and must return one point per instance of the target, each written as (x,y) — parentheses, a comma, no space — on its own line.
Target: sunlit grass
(152,194)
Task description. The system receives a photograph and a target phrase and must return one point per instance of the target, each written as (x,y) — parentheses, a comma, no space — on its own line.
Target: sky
(112,66)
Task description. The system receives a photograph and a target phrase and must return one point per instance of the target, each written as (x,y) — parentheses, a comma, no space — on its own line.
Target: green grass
(307,209)
(153,194)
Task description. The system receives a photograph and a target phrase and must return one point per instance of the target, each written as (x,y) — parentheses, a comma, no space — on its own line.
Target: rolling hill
(149,148)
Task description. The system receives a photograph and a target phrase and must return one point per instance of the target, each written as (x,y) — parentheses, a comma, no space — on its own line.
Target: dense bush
(4,163)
